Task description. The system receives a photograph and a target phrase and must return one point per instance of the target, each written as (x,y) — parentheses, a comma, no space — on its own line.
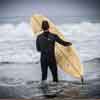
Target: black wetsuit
(45,44)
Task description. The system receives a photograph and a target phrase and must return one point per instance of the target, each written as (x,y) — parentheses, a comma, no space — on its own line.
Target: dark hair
(45,25)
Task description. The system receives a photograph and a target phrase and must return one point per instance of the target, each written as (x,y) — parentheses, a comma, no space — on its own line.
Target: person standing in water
(45,44)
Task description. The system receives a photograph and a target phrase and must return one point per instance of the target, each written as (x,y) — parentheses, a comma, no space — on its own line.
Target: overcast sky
(12,8)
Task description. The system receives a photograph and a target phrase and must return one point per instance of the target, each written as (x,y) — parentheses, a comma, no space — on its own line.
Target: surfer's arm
(62,42)
(37,44)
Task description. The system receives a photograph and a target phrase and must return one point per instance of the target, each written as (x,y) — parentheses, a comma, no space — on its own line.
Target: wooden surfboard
(67,57)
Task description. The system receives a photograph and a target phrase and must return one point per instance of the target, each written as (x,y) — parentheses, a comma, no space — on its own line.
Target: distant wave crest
(97,60)
(12,62)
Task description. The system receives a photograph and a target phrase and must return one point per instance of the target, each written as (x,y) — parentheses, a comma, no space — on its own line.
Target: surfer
(45,44)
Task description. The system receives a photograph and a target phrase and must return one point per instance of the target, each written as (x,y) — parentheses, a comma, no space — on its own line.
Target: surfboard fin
(82,79)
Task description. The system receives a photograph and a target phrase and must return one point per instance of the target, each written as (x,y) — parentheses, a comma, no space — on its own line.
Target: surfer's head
(45,25)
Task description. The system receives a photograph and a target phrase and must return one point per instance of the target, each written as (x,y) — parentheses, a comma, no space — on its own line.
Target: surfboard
(67,57)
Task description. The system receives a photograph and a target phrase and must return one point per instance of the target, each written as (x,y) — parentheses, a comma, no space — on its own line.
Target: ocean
(20,72)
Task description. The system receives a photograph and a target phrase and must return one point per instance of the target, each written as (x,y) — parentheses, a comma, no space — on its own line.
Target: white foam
(85,37)
(11,31)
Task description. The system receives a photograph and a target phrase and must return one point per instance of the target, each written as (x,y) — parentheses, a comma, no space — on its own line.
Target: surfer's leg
(44,68)
(53,68)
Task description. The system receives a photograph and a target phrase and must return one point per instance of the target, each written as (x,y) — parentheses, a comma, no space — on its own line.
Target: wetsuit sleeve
(62,42)
(37,44)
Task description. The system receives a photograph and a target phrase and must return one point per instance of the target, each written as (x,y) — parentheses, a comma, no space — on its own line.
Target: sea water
(20,71)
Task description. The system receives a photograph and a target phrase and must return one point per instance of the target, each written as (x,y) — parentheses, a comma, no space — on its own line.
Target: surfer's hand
(68,44)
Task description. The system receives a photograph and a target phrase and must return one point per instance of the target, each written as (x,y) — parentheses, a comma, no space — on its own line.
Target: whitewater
(20,62)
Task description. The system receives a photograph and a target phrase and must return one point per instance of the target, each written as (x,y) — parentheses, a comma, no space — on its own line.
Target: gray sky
(50,7)
(72,8)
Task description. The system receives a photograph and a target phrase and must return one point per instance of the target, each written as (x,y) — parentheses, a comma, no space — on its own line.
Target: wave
(94,60)
(16,41)
(12,62)
(23,29)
